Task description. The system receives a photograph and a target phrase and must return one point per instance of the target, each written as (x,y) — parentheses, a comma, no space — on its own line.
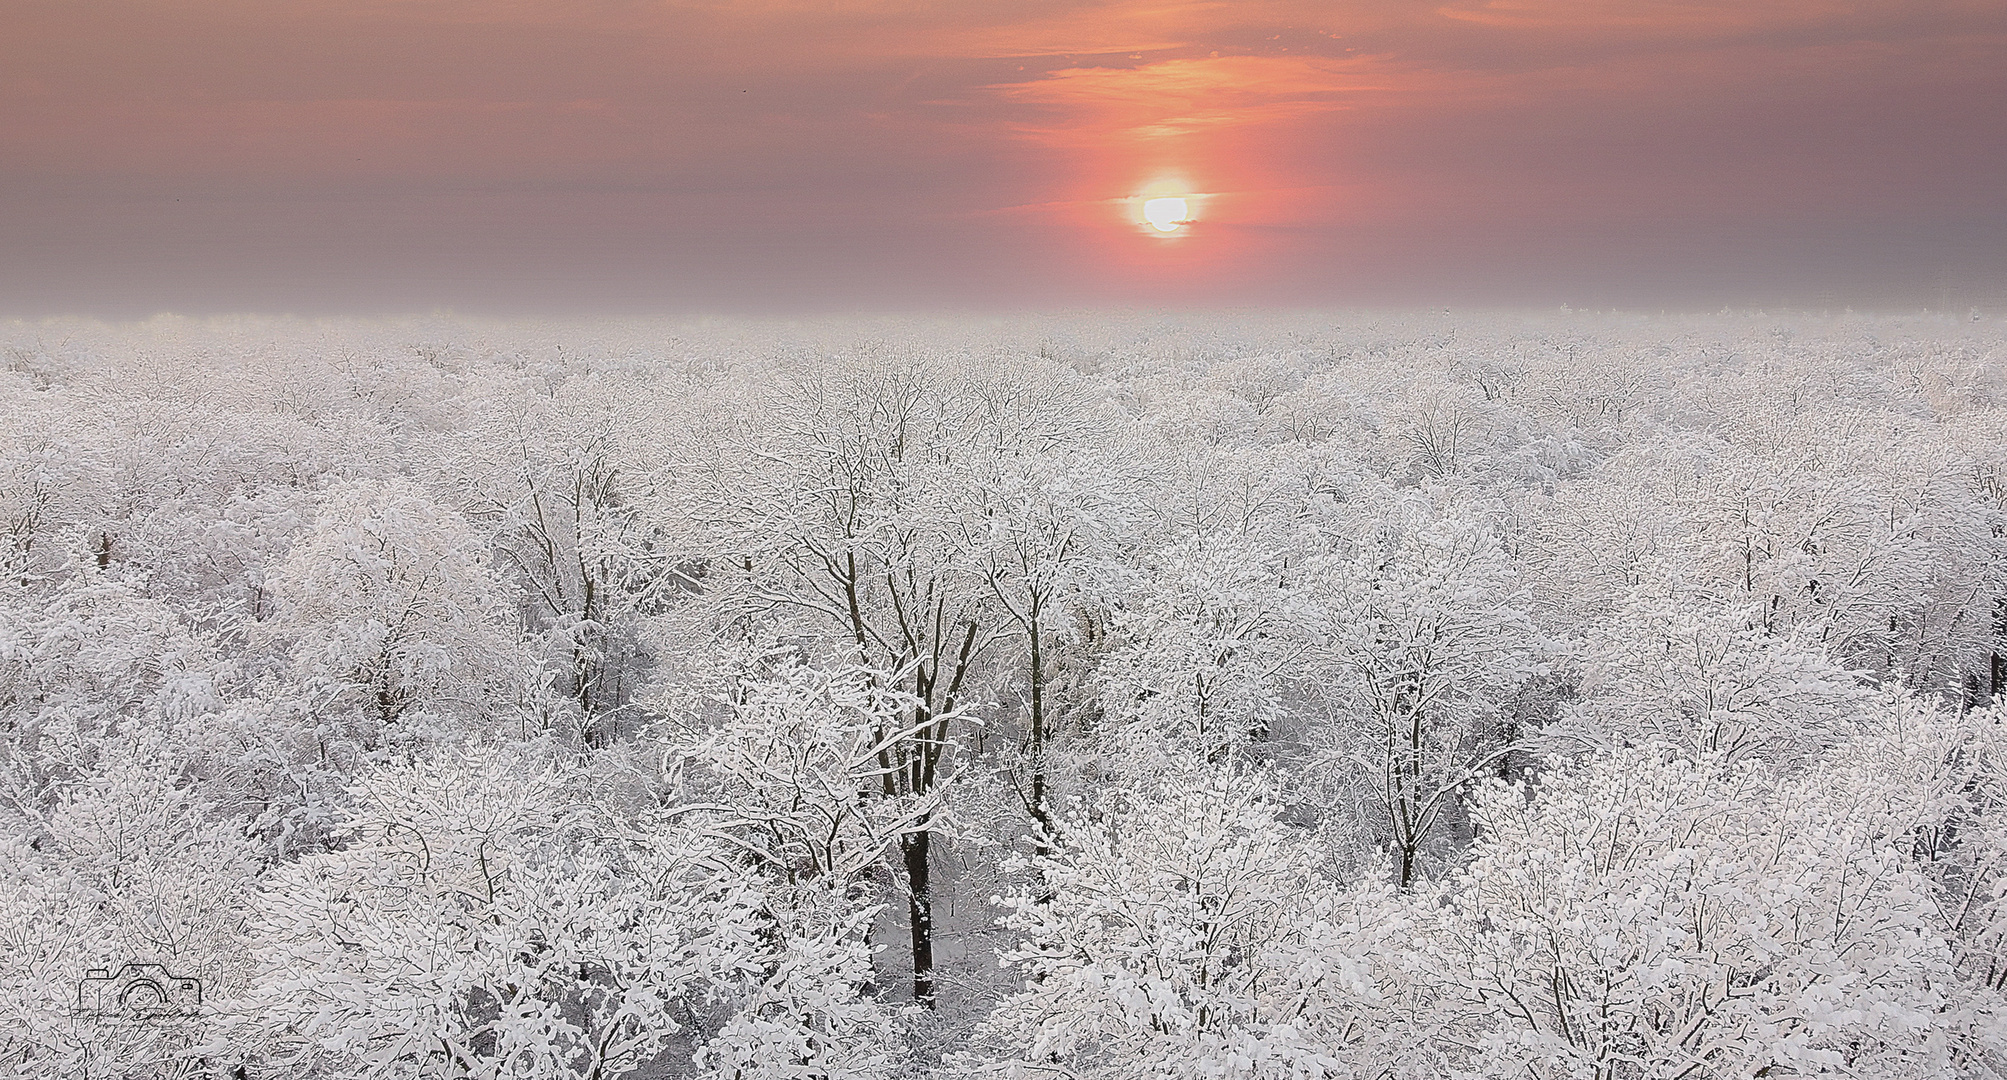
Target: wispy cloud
(1082,106)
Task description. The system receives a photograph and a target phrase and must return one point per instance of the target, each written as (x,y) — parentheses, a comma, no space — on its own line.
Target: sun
(1165,215)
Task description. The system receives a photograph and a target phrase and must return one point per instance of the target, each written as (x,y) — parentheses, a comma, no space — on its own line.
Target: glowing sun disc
(1165,215)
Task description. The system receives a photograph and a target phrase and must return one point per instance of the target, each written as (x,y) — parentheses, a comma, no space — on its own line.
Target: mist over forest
(1557,695)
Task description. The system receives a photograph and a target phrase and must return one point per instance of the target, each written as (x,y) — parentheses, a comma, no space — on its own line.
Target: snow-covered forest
(1575,696)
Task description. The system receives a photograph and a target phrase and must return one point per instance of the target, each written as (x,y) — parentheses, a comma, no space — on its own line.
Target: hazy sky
(622,155)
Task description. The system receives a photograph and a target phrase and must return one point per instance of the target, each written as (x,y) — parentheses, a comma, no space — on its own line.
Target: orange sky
(504,155)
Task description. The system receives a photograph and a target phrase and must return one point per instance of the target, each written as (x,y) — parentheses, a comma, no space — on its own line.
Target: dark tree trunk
(920,912)
(1042,842)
